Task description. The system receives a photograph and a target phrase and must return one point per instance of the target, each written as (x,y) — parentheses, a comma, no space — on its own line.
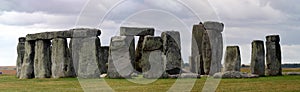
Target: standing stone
(104,54)
(273,56)
(258,58)
(172,50)
(206,53)
(214,31)
(42,59)
(232,59)
(197,40)
(21,52)
(75,45)
(121,57)
(62,65)
(141,32)
(153,63)
(88,66)
(27,70)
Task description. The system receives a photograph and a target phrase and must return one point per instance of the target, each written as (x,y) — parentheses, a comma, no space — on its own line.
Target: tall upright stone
(258,58)
(273,55)
(197,40)
(232,59)
(104,54)
(172,50)
(153,62)
(62,66)
(141,32)
(120,57)
(21,52)
(214,31)
(42,59)
(27,70)
(206,53)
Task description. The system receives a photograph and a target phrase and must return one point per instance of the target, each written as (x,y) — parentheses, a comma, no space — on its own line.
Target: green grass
(8,83)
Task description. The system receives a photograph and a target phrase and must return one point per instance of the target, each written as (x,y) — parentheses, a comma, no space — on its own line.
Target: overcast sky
(245,20)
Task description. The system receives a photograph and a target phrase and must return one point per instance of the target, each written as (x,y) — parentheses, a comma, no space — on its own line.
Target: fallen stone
(21,52)
(172,50)
(258,58)
(292,73)
(273,55)
(27,71)
(232,59)
(185,75)
(121,57)
(134,31)
(42,59)
(234,74)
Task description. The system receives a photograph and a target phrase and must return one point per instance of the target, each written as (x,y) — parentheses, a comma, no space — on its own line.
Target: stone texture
(197,40)
(74,46)
(62,66)
(104,53)
(21,52)
(258,58)
(292,73)
(185,75)
(172,51)
(273,55)
(234,74)
(134,31)
(78,32)
(88,58)
(153,59)
(206,53)
(27,70)
(214,30)
(138,54)
(121,57)
(42,59)
(232,59)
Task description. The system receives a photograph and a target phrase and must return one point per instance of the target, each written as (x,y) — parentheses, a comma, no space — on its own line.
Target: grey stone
(292,73)
(121,57)
(232,59)
(21,52)
(77,33)
(88,60)
(197,40)
(214,30)
(27,70)
(62,66)
(206,53)
(138,54)
(42,59)
(192,64)
(74,46)
(172,50)
(273,55)
(153,59)
(104,54)
(185,75)
(234,74)
(258,58)
(134,31)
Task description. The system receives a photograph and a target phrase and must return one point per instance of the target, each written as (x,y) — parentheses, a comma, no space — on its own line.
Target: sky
(245,21)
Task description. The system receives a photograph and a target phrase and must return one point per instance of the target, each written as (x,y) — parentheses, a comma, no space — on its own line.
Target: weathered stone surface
(78,32)
(121,57)
(138,54)
(27,70)
(234,74)
(214,30)
(62,66)
(134,31)
(88,66)
(232,59)
(206,53)
(74,46)
(42,59)
(258,58)
(104,54)
(172,50)
(273,55)
(185,75)
(21,52)
(153,59)
(197,40)
(192,64)
(292,73)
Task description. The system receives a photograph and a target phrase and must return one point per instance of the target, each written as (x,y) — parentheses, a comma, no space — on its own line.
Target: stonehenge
(258,58)
(78,53)
(232,59)
(273,55)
